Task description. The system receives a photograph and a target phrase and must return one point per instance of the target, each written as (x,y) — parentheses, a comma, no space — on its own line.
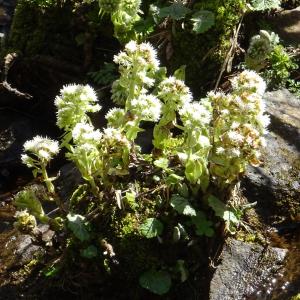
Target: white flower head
(249,81)
(131,47)
(146,107)
(116,117)
(195,114)
(86,133)
(174,92)
(73,103)
(43,147)
(235,137)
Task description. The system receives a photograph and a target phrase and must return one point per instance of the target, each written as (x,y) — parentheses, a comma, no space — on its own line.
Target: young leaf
(175,11)
(158,282)
(151,228)
(162,163)
(182,206)
(203,226)
(265,4)
(180,73)
(76,223)
(202,21)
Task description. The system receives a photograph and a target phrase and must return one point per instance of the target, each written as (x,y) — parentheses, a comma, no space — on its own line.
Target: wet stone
(244,268)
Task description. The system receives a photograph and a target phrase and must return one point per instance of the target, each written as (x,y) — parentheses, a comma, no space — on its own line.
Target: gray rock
(275,184)
(244,269)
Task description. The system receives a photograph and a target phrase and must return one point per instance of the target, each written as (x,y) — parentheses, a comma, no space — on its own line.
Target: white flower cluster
(73,103)
(115,138)
(174,92)
(138,64)
(43,149)
(195,114)
(249,82)
(84,133)
(116,117)
(146,107)
(238,126)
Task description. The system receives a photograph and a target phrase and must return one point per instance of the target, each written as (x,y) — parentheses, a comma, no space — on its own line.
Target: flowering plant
(197,146)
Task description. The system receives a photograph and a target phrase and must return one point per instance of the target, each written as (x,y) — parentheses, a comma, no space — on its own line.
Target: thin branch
(230,53)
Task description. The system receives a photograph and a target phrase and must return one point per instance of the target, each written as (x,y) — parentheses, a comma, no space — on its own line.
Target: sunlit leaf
(151,228)
(202,21)
(77,224)
(265,4)
(182,206)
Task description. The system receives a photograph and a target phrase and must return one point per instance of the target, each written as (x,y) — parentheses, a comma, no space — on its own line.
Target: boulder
(244,269)
(275,185)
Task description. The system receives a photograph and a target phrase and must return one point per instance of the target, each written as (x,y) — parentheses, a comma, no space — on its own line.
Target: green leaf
(203,226)
(230,217)
(182,206)
(218,206)
(221,210)
(265,4)
(77,224)
(176,11)
(202,21)
(162,163)
(89,252)
(151,228)
(193,170)
(173,179)
(180,73)
(158,282)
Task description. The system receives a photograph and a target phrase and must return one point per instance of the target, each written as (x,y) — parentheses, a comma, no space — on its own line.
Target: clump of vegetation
(166,198)
(266,55)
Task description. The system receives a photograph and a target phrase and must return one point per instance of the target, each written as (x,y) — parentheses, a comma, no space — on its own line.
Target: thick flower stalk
(174,94)
(238,126)
(115,150)
(85,152)
(194,152)
(39,152)
(138,66)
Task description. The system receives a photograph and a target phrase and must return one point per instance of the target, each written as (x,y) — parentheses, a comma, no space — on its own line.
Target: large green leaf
(151,228)
(77,224)
(202,20)
(182,206)
(265,4)
(176,11)
(158,282)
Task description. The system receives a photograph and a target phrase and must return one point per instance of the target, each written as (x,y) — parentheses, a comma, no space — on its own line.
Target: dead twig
(5,85)
(230,54)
